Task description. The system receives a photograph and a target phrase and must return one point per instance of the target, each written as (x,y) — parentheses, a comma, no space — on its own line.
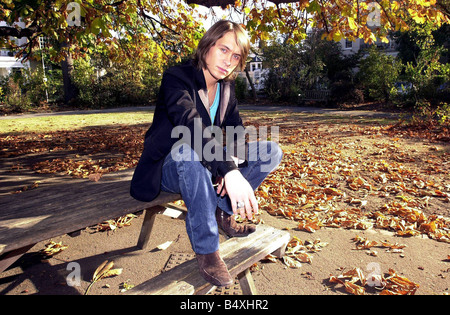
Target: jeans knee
(184,153)
(277,152)
(187,163)
(270,154)
(270,150)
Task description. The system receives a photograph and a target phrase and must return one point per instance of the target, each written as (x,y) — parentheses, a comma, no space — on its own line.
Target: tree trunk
(70,90)
(251,83)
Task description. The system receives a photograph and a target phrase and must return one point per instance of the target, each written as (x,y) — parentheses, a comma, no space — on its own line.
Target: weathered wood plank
(246,282)
(238,253)
(147,226)
(9,258)
(54,210)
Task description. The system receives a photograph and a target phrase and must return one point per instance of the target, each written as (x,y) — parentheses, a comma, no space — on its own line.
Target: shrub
(378,73)
(241,88)
(126,82)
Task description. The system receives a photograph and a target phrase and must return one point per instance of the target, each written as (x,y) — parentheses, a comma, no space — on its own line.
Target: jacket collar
(202,91)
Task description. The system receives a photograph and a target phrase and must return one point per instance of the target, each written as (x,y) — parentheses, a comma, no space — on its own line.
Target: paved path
(296,109)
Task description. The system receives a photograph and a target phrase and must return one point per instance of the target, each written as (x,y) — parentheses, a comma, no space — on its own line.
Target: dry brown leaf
(95,177)
(363,243)
(271,258)
(113,224)
(400,285)
(392,246)
(103,271)
(354,288)
(52,248)
(112,273)
(309,225)
(304,257)
(334,279)
(291,262)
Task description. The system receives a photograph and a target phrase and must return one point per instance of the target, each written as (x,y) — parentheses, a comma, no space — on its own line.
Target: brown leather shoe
(213,269)
(229,225)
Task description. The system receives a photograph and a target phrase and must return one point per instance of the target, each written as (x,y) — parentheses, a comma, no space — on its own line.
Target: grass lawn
(72,122)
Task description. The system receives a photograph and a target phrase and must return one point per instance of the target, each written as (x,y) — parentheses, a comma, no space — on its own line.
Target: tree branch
(211,3)
(16,32)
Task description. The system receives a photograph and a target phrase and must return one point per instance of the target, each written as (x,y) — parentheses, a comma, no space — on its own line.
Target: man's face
(223,57)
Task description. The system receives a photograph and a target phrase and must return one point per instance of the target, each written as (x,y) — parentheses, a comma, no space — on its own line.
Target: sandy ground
(423,261)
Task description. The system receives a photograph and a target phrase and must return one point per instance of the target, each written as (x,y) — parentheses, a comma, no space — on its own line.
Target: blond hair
(217,31)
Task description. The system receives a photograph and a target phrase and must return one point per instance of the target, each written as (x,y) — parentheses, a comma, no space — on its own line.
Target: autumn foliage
(176,27)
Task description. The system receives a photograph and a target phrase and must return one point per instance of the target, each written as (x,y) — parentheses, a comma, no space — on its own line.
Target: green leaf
(96,25)
(314,7)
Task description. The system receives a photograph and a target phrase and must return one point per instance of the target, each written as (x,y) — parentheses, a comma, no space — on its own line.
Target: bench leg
(246,282)
(147,225)
(279,253)
(10,258)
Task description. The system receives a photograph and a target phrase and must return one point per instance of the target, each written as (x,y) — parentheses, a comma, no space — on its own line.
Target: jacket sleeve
(237,138)
(182,111)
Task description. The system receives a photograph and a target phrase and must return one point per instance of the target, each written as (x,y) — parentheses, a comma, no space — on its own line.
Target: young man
(198,98)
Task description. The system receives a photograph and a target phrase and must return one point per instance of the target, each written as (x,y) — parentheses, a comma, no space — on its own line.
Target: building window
(42,42)
(348,44)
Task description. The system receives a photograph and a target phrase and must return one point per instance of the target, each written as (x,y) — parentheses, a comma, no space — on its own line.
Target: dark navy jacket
(182,98)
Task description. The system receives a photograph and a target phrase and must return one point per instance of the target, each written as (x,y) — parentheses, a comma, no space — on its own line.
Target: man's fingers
(254,203)
(248,210)
(224,191)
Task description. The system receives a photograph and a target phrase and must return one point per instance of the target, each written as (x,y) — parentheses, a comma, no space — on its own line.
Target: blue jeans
(184,174)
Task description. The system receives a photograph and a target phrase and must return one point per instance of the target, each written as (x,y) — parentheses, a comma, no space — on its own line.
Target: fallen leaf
(103,271)
(354,288)
(164,246)
(52,248)
(95,177)
(271,258)
(291,263)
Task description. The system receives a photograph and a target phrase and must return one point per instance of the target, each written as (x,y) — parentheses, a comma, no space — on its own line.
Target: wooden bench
(314,95)
(239,253)
(64,208)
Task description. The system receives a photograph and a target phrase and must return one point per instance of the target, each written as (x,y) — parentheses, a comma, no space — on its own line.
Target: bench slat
(45,212)
(239,254)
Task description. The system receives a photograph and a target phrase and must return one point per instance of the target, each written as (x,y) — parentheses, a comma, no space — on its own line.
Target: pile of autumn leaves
(78,153)
(317,185)
(325,181)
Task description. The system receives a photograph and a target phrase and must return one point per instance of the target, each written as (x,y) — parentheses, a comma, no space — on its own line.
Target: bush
(378,73)
(127,82)
(241,88)
(346,92)
(285,77)
(13,98)
(25,90)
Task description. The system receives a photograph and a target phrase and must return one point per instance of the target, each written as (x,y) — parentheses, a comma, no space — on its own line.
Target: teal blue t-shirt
(215,105)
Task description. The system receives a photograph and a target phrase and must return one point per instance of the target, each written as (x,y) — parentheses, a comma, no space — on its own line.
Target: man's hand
(221,187)
(239,191)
